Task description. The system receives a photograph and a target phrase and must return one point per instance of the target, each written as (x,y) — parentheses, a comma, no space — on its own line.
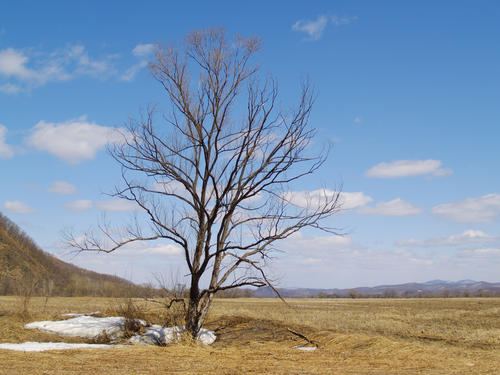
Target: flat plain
(354,336)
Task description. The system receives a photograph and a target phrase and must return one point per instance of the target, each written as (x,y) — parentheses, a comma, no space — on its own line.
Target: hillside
(27,269)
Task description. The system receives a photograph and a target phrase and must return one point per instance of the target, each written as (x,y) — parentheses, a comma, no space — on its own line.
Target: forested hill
(27,269)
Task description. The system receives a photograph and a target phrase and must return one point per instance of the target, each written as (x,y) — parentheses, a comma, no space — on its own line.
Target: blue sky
(408,93)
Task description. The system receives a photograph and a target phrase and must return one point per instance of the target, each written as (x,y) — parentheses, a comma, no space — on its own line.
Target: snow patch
(157,334)
(92,327)
(84,326)
(42,346)
(305,348)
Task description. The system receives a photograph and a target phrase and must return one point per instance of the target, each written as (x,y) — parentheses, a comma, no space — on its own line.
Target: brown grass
(434,336)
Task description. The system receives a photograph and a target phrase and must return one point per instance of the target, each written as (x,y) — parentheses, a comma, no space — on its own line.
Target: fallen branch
(304,337)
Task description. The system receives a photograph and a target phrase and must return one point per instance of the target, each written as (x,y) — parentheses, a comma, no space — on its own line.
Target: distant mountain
(27,269)
(434,288)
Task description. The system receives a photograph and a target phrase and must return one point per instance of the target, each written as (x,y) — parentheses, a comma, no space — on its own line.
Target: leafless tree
(213,175)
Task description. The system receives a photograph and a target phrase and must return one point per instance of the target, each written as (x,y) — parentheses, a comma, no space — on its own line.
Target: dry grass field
(360,336)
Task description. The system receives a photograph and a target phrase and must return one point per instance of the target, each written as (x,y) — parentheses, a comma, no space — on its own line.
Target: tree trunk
(192,314)
(197,312)
(192,317)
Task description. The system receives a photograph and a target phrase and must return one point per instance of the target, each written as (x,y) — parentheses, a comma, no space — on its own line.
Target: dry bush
(133,312)
(103,338)
(170,303)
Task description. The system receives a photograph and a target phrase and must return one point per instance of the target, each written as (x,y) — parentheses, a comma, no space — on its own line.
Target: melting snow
(305,348)
(83,326)
(163,335)
(92,327)
(42,346)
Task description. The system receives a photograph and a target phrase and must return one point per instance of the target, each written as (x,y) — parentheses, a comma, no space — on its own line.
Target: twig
(312,342)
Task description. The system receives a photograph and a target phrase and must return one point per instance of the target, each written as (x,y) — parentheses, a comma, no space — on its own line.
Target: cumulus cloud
(405,168)
(28,68)
(117,205)
(62,188)
(6,151)
(396,207)
(75,140)
(472,210)
(13,64)
(314,29)
(316,198)
(353,200)
(467,237)
(79,205)
(17,207)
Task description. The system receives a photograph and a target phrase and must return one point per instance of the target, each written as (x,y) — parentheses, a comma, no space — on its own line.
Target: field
(358,336)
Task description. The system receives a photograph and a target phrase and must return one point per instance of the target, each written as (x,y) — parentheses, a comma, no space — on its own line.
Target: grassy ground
(418,336)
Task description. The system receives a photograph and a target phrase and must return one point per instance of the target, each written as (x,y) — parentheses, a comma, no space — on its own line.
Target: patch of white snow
(42,346)
(305,348)
(92,327)
(83,326)
(157,334)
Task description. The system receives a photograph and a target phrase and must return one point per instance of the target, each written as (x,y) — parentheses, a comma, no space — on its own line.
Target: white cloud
(117,205)
(354,200)
(62,187)
(168,249)
(79,205)
(358,120)
(75,140)
(142,50)
(12,64)
(312,28)
(315,29)
(25,69)
(396,207)
(9,88)
(485,252)
(464,238)
(299,242)
(486,256)
(472,210)
(131,72)
(405,168)
(6,151)
(17,207)
(315,198)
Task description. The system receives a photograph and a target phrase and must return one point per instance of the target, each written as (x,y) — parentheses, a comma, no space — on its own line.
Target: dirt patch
(243,330)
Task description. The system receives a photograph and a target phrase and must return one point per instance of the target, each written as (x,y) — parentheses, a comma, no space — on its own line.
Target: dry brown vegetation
(398,336)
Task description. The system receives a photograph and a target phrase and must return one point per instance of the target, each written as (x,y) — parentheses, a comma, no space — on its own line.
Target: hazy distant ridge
(434,287)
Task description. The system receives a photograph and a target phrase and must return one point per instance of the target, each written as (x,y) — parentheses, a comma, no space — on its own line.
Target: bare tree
(213,175)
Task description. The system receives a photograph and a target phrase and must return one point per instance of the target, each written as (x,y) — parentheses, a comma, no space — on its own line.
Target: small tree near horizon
(213,175)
